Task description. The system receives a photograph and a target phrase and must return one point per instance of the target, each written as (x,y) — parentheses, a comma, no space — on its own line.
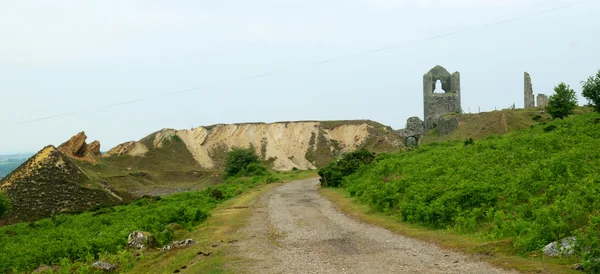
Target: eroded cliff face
(287,145)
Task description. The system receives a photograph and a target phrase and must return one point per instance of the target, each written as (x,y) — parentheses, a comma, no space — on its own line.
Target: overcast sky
(76,56)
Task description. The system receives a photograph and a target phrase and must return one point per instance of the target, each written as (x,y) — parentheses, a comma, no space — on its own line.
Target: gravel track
(295,230)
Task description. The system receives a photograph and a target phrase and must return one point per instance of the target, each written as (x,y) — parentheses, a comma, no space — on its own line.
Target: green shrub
(238,159)
(4,204)
(254,169)
(216,194)
(332,174)
(562,103)
(469,141)
(591,91)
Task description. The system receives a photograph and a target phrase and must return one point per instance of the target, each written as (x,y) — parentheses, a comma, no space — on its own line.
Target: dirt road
(295,230)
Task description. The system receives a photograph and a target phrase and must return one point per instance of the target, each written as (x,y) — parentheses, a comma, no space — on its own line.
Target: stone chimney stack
(529,99)
(542,100)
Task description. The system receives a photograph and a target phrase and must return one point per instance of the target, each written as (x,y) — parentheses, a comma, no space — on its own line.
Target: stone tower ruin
(542,100)
(437,103)
(528,92)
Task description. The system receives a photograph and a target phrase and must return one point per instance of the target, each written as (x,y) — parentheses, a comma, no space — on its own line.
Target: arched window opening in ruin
(438,87)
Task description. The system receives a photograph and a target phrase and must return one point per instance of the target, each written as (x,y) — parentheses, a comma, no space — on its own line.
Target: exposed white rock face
(286,143)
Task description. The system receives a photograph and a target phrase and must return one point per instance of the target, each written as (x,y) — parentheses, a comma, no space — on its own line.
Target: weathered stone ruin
(437,104)
(447,124)
(413,133)
(542,101)
(528,92)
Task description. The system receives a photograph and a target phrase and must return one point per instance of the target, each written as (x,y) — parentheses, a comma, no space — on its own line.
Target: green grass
(528,188)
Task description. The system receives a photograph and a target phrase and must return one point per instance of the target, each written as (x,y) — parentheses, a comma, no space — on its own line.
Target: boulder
(141,239)
(102,265)
(566,248)
(178,244)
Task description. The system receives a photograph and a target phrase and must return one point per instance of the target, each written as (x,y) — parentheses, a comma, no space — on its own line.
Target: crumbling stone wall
(542,100)
(438,104)
(528,92)
(413,132)
(447,124)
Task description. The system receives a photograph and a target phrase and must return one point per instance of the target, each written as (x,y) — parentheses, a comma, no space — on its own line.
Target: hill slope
(287,145)
(478,126)
(51,182)
(75,177)
(8,163)
(526,188)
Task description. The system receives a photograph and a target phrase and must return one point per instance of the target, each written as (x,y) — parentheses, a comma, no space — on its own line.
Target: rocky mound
(51,182)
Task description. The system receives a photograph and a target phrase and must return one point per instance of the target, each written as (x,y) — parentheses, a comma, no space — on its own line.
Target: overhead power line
(318,63)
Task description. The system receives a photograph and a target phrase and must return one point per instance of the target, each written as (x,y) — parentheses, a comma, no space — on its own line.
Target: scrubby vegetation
(529,188)
(85,236)
(562,103)
(333,174)
(70,238)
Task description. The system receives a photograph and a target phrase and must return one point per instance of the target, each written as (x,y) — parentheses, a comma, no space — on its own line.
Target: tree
(591,91)
(4,204)
(562,102)
(238,159)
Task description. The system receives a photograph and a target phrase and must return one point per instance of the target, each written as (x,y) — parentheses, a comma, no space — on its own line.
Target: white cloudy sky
(74,56)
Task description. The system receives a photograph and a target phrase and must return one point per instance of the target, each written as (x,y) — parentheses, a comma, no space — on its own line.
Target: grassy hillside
(478,126)
(526,188)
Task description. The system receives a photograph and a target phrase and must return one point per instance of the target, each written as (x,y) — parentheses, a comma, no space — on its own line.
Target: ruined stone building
(440,102)
(413,132)
(528,92)
(542,100)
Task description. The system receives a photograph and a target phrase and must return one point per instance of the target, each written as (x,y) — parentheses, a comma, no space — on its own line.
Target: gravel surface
(295,230)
